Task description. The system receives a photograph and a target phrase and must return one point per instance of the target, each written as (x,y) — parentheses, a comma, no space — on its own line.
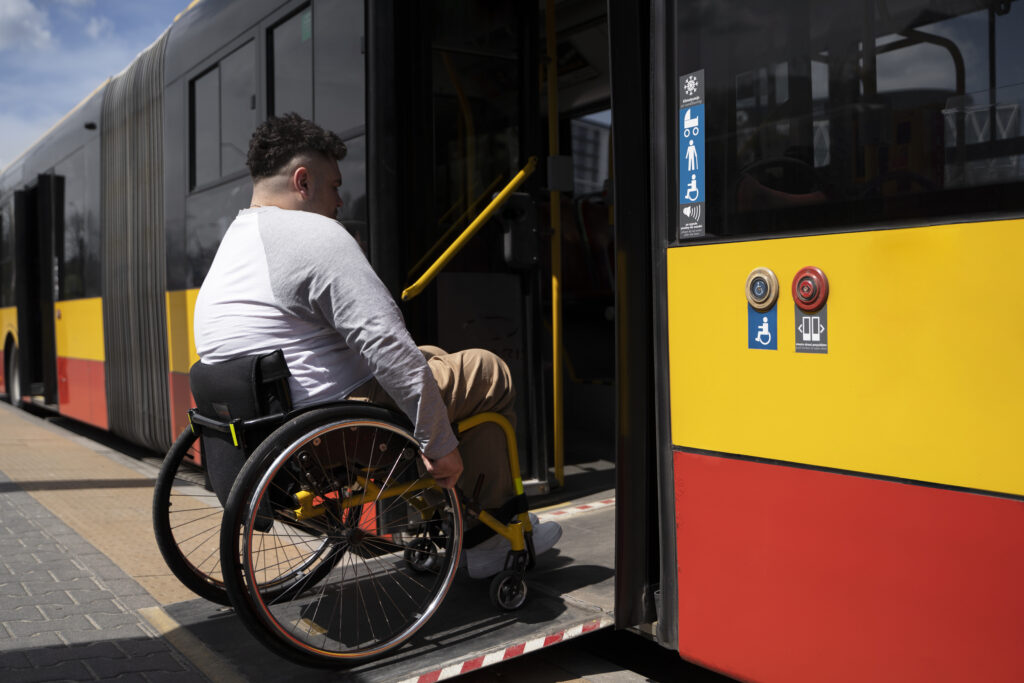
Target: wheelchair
(317,525)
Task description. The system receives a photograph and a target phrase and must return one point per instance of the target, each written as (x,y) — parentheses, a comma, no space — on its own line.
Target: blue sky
(53,53)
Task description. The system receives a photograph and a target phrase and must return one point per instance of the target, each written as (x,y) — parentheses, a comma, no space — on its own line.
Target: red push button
(810,288)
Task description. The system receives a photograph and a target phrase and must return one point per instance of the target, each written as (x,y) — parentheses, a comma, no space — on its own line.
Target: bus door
(837,208)
(471,89)
(38,213)
(461,119)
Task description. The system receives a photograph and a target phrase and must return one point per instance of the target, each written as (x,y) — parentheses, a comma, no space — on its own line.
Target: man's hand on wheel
(446,470)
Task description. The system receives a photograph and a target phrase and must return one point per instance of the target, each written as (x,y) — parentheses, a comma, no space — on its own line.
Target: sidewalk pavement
(81,579)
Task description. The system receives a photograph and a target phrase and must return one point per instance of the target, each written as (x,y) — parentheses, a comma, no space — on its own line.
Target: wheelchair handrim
(263,609)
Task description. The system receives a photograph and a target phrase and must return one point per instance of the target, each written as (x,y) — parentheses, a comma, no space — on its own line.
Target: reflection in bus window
(208,215)
(291,47)
(340,97)
(863,113)
(237,107)
(353,191)
(6,255)
(206,128)
(591,146)
(78,250)
(589,240)
(476,103)
(223,104)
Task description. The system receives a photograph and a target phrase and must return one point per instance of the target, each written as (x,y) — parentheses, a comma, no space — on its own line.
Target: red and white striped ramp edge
(562,513)
(510,652)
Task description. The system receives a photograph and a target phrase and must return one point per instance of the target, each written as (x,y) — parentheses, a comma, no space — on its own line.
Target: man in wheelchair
(287,276)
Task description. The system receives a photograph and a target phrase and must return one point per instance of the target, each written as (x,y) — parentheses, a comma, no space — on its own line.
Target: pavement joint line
(215,667)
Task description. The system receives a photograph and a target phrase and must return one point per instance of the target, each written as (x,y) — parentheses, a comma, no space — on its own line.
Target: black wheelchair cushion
(239,389)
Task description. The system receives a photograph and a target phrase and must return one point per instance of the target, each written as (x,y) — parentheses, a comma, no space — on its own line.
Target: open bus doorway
(472,78)
(588,304)
(38,219)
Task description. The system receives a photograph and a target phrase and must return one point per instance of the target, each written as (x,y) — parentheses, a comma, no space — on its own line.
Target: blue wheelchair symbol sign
(691,154)
(762,328)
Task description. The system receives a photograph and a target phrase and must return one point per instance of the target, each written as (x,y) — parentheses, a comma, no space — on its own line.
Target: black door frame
(38,222)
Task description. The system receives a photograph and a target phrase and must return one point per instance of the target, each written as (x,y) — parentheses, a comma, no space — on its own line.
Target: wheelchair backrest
(230,393)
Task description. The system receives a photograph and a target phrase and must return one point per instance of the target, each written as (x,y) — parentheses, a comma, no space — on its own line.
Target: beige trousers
(471,382)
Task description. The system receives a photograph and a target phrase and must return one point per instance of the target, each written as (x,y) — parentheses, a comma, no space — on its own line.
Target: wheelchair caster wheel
(508,590)
(421,555)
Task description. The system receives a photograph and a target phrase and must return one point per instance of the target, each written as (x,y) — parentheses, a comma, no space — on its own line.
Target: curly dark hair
(279,139)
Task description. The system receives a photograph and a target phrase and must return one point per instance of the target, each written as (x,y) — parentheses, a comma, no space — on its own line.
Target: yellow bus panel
(78,326)
(181,344)
(8,323)
(922,378)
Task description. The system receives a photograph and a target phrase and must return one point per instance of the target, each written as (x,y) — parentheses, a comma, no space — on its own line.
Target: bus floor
(569,594)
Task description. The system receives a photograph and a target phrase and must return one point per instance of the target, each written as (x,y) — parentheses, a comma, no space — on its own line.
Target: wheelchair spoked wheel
(334,499)
(186,521)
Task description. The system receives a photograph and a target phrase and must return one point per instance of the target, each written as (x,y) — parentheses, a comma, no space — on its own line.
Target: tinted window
(237,107)
(476,113)
(208,215)
(291,50)
(839,114)
(591,138)
(206,128)
(340,66)
(353,191)
(78,250)
(223,116)
(6,255)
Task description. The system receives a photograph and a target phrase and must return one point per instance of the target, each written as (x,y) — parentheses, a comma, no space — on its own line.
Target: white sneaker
(488,558)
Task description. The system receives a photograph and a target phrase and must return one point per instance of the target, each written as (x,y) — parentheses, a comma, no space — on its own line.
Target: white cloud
(99,27)
(23,24)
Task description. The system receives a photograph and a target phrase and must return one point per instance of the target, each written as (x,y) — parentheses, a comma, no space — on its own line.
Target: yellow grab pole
(556,246)
(454,225)
(460,241)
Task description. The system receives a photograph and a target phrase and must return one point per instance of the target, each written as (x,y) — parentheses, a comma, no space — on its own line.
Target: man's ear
(300,181)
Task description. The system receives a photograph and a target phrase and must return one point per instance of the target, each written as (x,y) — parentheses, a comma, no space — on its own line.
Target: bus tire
(12,377)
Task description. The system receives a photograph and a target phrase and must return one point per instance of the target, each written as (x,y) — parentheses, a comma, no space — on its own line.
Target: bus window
(856,114)
(209,213)
(237,107)
(78,251)
(205,95)
(291,73)
(591,143)
(223,103)
(353,191)
(476,108)
(340,67)
(6,255)
(588,253)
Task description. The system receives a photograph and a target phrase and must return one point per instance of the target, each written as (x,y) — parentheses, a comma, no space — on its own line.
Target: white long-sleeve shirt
(298,282)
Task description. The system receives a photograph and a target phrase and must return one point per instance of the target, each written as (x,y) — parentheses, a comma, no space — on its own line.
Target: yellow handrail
(454,225)
(415,288)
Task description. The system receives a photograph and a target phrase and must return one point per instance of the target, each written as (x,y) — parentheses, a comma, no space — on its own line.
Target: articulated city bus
(761,283)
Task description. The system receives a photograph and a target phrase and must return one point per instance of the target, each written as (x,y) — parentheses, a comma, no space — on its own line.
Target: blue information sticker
(691,154)
(692,125)
(762,328)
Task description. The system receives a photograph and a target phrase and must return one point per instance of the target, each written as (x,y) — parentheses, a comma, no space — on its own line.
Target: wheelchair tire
(362,597)
(186,521)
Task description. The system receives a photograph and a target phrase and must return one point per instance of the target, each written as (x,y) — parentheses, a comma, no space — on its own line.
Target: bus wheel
(13,378)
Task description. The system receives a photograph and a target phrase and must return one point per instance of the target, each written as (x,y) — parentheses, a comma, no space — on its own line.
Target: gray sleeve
(318,272)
